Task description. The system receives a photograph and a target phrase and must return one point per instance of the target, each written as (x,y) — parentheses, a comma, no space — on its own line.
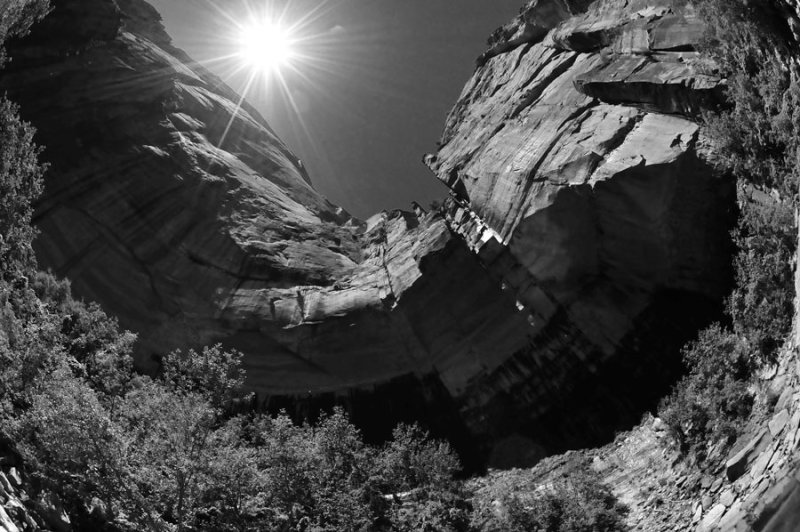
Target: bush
(761,305)
(757,129)
(20,184)
(412,459)
(213,373)
(418,472)
(715,397)
(711,401)
(577,502)
(16,18)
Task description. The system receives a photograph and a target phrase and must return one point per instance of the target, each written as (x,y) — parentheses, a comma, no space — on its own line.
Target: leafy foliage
(762,303)
(717,394)
(213,373)
(576,502)
(757,130)
(20,184)
(16,18)
(714,397)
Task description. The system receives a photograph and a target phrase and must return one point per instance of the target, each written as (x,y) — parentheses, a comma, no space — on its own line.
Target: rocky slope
(756,488)
(587,225)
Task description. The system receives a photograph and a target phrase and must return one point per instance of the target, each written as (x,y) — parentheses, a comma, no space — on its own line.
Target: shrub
(712,399)
(577,502)
(16,18)
(20,184)
(433,511)
(761,305)
(213,373)
(412,459)
(418,472)
(757,129)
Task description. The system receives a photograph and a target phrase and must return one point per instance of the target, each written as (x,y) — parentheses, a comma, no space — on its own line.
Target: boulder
(738,463)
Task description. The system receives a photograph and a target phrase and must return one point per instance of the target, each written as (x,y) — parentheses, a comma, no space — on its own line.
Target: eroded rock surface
(192,222)
(587,236)
(578,154)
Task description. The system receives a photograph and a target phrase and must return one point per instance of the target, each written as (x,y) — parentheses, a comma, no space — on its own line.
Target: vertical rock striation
(577,152)
(185,216)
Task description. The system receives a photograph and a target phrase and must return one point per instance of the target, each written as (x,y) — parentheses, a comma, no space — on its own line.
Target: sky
(369,91)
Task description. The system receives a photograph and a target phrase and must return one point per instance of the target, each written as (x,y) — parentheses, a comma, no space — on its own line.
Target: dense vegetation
(574,502)
(756,131)
(128,452)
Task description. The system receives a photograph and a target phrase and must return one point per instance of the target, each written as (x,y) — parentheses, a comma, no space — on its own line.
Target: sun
(266,46)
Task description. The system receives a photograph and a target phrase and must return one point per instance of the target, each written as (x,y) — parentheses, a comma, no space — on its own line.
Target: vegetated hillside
(89,444)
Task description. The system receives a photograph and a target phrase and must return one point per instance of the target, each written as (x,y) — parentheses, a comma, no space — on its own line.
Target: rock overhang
(583,200)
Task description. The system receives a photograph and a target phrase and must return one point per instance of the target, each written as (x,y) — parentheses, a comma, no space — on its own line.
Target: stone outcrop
(587,237)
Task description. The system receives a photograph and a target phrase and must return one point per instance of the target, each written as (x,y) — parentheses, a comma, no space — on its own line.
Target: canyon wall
(586,239)
(575,146)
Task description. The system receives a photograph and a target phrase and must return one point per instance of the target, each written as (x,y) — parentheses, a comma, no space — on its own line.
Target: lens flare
(275,50)
(265,46)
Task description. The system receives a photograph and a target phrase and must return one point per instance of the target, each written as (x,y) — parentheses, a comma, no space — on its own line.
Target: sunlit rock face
(577,151)
(586,241)
(190,239)
(147,210)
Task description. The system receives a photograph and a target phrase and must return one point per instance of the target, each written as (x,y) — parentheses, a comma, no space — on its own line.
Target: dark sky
(374,94)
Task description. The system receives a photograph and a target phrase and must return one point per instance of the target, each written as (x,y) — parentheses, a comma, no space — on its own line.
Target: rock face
(577,152)
(586,239)
(188,219)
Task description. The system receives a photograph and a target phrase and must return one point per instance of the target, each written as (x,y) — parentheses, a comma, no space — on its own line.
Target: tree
(411,460)
(16,18)
(168,439)
(762,302)
(577,501)
(757,129)
(20,184)
(214,373)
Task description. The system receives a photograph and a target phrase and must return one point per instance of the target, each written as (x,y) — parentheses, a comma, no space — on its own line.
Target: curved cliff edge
(586,240)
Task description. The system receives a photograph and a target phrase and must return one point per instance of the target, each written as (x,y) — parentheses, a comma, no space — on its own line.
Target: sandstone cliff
(575,147)
(587,223)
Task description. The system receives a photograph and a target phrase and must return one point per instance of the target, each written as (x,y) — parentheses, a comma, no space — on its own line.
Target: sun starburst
(275,52)
(265,45)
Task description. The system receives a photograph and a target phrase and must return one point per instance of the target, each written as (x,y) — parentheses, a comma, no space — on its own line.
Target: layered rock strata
(186,216)
(586,240)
